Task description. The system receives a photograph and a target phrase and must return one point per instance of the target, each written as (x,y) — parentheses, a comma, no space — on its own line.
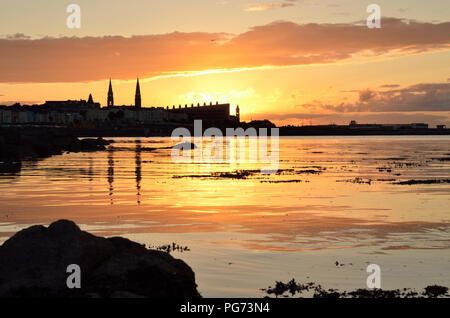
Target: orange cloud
(270,6)
(276,44)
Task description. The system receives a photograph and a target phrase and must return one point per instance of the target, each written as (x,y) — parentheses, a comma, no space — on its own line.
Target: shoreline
(18,145)
(166,131)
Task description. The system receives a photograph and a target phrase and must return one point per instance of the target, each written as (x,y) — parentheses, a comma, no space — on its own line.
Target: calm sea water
(334,199)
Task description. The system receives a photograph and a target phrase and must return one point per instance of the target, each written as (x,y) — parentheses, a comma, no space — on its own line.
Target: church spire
(137,97)
(110,95)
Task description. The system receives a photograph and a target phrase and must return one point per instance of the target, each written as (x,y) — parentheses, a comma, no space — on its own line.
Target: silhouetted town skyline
(90,115)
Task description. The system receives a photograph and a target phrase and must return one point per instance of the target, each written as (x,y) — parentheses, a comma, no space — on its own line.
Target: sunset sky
(290,61)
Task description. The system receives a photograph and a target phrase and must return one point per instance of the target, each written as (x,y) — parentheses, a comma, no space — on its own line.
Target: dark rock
(414,182)
(93,144)
(435,291)
(185,146)
(33,263)
(17,145)
(10,167)
(103,142)
(64,141)
(293,288)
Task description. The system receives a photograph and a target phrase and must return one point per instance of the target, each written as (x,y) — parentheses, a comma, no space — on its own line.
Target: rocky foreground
(19,144)
(33,263)
(314,290)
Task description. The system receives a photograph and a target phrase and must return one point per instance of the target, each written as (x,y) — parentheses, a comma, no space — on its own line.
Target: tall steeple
(238,113)
(110,95)
(137,97)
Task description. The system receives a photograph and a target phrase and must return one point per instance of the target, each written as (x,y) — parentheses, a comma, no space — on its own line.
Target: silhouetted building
(419,126)
(209,113)
(89,114)
(354,125)
(110,95)
(137,97)
(69,105)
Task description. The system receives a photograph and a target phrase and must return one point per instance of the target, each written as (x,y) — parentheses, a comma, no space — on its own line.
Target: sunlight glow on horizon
(261,67)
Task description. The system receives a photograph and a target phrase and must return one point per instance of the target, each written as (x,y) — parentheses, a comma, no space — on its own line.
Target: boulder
(33,263)
(16,145)
(185,146)
(10,167)
(93,144)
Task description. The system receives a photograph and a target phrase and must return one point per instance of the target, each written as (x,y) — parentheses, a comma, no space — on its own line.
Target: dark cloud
(419,97)
(70,59)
